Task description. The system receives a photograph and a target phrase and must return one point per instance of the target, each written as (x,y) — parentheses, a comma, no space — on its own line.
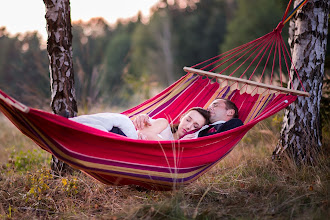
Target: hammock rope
(299,6)
(252,51)
(167,165)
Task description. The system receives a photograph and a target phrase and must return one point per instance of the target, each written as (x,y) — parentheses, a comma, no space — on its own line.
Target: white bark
(163,63)
(301,131)
(59,47)
(166,42)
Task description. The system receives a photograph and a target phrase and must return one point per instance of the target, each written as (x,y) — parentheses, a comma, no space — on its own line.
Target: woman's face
(191,121)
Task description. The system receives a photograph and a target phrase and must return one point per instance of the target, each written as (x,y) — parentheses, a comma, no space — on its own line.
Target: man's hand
(140,121)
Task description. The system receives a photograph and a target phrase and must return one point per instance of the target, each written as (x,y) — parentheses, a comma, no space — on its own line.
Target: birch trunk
(301,131)
(59,47)
(165,42)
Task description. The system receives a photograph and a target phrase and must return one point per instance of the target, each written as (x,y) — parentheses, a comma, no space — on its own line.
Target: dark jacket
(232,123)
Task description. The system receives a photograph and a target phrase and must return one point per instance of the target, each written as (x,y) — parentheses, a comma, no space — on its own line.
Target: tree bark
(59,47)
(166,42)
(301,131)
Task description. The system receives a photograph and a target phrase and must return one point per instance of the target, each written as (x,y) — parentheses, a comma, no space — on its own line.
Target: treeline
(123,63)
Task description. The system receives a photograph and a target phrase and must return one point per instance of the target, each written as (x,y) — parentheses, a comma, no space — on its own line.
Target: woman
(157,129)
(160,129)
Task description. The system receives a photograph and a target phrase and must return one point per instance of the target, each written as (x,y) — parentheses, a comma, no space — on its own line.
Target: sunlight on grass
(12,139)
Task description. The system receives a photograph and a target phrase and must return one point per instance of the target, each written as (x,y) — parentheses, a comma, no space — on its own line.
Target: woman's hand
(188,137)
(142,136)
(141,121)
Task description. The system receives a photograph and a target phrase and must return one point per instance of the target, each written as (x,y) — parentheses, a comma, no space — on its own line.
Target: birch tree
(59,47)
(301,131)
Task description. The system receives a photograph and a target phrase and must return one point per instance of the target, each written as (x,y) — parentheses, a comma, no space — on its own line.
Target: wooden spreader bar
(245,81)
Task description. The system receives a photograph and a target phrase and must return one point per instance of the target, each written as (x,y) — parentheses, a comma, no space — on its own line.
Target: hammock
(167,165)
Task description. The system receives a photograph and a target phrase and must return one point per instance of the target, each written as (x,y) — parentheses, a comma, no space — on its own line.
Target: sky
(29,15)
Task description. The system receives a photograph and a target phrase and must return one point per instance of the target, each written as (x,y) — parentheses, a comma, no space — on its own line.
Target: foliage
(24,161)
(114,64)
(199,32)
(23,60)
(127,62)
(252,20)
(88,52)
(110,61)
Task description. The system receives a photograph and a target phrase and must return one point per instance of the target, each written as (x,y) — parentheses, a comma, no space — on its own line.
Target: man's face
(218,111)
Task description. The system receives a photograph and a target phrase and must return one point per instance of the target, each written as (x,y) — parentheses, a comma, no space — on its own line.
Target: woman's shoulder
(162,122)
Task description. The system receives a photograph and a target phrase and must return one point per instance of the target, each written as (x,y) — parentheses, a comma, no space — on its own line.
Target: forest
(121,64)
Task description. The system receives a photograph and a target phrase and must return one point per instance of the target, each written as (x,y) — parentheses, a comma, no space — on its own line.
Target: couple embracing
(220,116)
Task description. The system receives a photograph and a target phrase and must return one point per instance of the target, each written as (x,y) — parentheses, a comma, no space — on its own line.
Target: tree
(301,132)
(59,47)
(115,64)
(88,45)
(198,31)
(24,67)
(160,51)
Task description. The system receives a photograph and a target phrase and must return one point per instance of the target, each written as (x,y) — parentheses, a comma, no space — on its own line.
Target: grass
(247,184)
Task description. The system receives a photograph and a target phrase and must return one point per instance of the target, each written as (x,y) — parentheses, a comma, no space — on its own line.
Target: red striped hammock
(166,165)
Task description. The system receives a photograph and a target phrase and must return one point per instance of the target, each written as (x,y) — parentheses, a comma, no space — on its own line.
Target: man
(223,117)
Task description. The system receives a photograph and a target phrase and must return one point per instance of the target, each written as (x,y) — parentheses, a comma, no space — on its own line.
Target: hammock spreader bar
(245,81)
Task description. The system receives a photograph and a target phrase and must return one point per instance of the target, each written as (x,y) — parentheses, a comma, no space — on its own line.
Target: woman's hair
(205,113)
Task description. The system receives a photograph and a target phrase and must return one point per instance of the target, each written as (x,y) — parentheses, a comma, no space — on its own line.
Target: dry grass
(247,184)
(11,139)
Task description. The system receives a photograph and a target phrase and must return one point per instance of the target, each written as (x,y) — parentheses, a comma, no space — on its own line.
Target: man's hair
(230,105)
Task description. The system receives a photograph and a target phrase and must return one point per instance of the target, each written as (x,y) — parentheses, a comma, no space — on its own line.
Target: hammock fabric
(167,165)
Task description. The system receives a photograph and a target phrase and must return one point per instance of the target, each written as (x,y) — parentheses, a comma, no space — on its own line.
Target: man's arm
(231,124)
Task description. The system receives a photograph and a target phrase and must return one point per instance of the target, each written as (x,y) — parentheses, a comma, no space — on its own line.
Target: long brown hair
(205,113)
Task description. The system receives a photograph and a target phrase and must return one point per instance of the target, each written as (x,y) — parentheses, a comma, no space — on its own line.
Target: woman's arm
(151,132)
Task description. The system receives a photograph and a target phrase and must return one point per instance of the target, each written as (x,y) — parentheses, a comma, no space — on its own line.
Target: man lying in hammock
(158,129)
(223,117)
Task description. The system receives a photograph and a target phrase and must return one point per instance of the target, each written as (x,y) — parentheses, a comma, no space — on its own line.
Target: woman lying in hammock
(159,129)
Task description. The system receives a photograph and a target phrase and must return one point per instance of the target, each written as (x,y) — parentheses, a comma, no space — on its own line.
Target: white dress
(106,121)
(166,134)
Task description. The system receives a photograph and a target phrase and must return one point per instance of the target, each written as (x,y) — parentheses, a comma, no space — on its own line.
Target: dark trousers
(116,130)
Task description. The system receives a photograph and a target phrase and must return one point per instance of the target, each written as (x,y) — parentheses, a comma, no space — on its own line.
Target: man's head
(222,110)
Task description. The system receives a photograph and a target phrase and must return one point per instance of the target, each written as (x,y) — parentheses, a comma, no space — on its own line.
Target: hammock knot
(279,27)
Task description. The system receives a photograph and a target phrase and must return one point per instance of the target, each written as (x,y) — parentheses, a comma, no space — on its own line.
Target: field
(247,184)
